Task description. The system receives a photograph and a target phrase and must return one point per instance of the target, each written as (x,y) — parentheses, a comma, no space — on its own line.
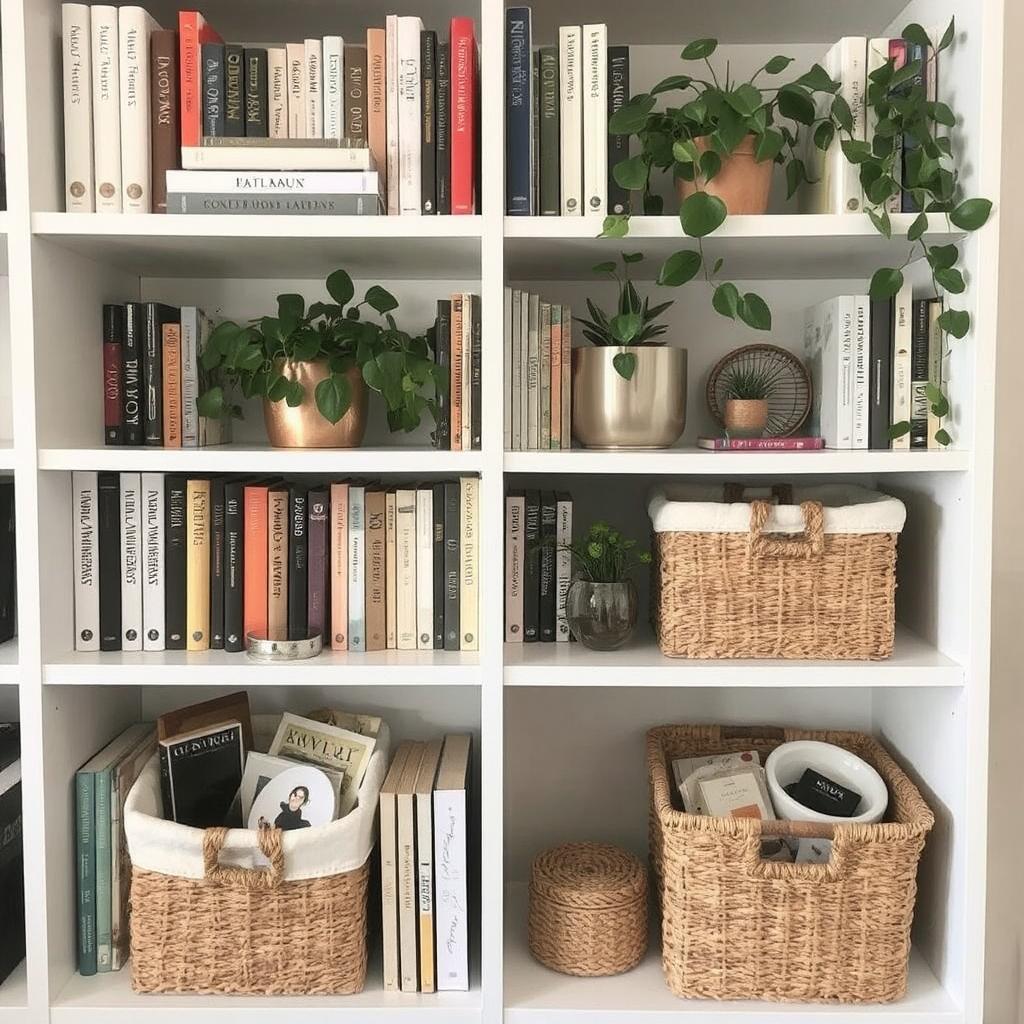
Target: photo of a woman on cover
(291,812)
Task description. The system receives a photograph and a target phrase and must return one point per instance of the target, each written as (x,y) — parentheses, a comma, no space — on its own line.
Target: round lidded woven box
(588,909)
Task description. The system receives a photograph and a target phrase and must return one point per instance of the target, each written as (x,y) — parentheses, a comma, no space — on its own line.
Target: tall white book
(79,182)
(902,362)
(391,104)
(356,568)
(861,371)
(425,779)
(410,196)
(334,87)
(314,89)
(563,563)
(296,57)
(389,866)
(405,562)
(595,119)
(828,350)
(85,542)
(153,561)
(425,569)
(131,562)
(408,907)
(507,369)
(106,108)
(277,92)
(570,119)
(469,556)
(134,27)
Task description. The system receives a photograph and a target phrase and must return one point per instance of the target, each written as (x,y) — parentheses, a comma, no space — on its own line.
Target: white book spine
(903,331)
(391,104)
(563,565)
(408,920)
(853,75)
(296,56)
(356,569)
(405,558)
(533,376)
(467,372)
(507,369)
(595,120)
(515,374)
(153,561)
(189,376)
(571,120)
(861,371)
(314,128)
(250,159)
(425,569)
(106,109)
(844,379)
(85,492)
(451,890)
(277,92)
(523,372)
(821,348)
(135,26)
(80,185)
(389,889)
(131,562)
(272,183)
(334,87)
(469,506)
(410,196)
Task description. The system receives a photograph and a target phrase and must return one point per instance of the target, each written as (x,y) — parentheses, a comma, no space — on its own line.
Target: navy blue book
(213,89)
(518,112)
(618,145)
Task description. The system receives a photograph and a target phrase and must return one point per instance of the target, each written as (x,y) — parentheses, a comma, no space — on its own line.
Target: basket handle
(269,841)
(733,492)
(810,545)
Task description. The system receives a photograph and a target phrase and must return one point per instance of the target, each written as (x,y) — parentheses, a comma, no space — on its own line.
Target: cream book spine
(106,108)
(515,372)
(595,120)
(425,863)
(451,888)
(334,87)
(533,376)
(85,540)
(153,561)
(135,26)
(405,556)
(296,55)
(190,330)
(469,504)
(861,371)
(389,867)
(566,378)
(410,197)
(526,301)
(467,372)
(277,563)
(570,120)
(544,378)
(390,571)
(314,89)
(277,92)
(408,917)
(79,182)
(339,567)
(131,562)
(425,569)
(391,104)
(903,330)
(356,568)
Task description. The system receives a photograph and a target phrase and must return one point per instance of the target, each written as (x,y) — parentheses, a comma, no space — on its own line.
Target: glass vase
(602,616)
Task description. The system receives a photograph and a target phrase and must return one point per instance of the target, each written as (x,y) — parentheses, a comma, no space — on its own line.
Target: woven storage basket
(206,920)
(588,909)
(735,926)
(811,576)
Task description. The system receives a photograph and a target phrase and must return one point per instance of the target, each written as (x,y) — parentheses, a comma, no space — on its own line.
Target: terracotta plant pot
(303,426)
(742,184)
(746,417)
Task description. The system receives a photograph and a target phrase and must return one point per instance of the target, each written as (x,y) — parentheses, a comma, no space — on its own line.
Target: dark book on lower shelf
(438,557)
(213,92)
(108,514)
(234,539)
(428,115)
(548,582)
(549,143)
(443,136)
(618,145)
(234,90)
(131,390)
(531,569)
(12,860)
(921,330)
(157,314)
(113,374)
(256,104)
(200,773)
(443,358)
(8,563)
(175,564)
(880,383)
(298,564)
(217,562)
(475,373)
(319,547)
(452,563)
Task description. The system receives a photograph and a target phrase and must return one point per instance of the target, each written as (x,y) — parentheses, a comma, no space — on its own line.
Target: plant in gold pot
(314,366)
(747,390)
(629,390)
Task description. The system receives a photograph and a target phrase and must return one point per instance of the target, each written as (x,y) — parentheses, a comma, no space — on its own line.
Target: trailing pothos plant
(395,364)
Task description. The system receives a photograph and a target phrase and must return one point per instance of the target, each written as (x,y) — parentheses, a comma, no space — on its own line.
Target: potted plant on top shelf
(314,366)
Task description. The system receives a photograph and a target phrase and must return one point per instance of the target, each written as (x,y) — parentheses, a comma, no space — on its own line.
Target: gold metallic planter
(303,426)
(746,417)
(648,411)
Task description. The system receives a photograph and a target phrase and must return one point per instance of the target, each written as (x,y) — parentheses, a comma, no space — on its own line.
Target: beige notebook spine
(389,866)
(197,571)
(408,923)
(339,567)
(425,861)
(405,559)
(390,571)
(277,565)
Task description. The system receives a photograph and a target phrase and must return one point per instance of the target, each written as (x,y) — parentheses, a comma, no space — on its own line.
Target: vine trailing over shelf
(911,150)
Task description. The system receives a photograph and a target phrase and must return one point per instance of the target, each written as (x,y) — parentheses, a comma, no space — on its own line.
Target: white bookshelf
(559,729)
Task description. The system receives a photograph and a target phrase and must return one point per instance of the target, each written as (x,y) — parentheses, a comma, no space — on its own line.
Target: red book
(762,444)
(464,114)
(113,373)
(256,552)
(193,31)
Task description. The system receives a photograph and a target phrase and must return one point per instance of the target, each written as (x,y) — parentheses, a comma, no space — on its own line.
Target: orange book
(455,389)
(277,563)
(376,639)
(376,103)
(172,385)
(339,567)
(556,377)
(254,603)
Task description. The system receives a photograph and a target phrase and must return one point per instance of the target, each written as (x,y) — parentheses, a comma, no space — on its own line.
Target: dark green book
(85,845)
(549,135)
(234,90)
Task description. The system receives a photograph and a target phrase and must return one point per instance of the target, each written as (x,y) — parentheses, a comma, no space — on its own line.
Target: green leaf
(942,257)
(306,346)
(971,214)
(856,152)
(907,73)
(686,151)
(615,226)
(898,430)
(290,310)
(882,221)
(918,228)
(249,359)
(380,299)
(726,300)
(212,404)
(886,283)
(769,145)
(943,438)
(948,36)
(842,113)
(796,175)
(626,326)
(710,165)
(631,173)
(340,287)
(278,388)
(625,364)
(914,33)
(951,281)
(818,80)
(699,49)
(754,312)
(942,114)
(333,397)
(701,214)
(679,268)
(824,134)
(670,83)
(608,267)
(719,263)
(632,118)
(956,322)
(632,257)
(777,65)
(939,402)
(745,100)
(796,104)
(296,394)
(732,130)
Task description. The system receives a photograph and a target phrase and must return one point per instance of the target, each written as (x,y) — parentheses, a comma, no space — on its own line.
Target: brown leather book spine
(166,133)
(376,577)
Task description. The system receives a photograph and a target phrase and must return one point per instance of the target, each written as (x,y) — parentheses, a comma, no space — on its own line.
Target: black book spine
(234,587)
(549,143)
(548,582)
(8,586)
(880,385)
(217,562)
(113,374)
(257,123)
(443,357)
(531,570)
(318,547)
(108,511)
(428,114)
(298,565)
(234,90)
(452,533)
(919,374)
(438,550)
(213,89)
(518,112)
(175,564)
(444,128)
(355,94)
(12,884)
(475,373)
(618,145)
(134,349)
(911,147)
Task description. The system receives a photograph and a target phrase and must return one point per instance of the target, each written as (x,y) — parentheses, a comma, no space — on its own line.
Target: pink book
(339,567)
(556,376)
(762,444)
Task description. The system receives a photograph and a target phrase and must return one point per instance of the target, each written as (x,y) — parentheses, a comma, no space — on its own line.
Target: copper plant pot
(746,417)
(303,426)
(742,184)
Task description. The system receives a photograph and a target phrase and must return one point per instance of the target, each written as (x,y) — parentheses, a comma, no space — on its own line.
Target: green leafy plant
(395,364)
(605,555)
(750,383)
(633,323)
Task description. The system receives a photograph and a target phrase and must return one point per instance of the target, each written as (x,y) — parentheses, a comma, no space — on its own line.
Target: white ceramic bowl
(786,763)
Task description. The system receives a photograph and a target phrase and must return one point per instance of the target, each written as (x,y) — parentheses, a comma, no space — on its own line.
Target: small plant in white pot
(629,390)
(747,390)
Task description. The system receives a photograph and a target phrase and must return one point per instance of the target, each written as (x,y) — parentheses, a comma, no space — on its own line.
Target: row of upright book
(458,349)
(168,562)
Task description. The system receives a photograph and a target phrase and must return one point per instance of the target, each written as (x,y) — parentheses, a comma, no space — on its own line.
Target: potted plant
(747,390)
(601,603)
(629,390)
(313,367)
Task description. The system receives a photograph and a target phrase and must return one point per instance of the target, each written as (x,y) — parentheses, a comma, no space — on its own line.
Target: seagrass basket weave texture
(735,926)
(247,931)
(588,909)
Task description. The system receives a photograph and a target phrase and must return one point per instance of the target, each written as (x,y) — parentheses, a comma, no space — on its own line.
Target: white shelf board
(773,246)
(14,996)
(154,245)
(218,668)
(699,461)
(236,458)
(6,455)
(9,663)
(640,663)
(536,995)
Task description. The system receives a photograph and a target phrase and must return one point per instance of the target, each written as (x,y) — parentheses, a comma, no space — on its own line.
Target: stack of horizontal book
(176,563)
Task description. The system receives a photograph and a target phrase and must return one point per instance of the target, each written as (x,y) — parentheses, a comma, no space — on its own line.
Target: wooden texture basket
(807,577)
(735,926)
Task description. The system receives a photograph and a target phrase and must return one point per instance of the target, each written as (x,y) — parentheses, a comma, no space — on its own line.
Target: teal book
(85,790)
(102,829)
